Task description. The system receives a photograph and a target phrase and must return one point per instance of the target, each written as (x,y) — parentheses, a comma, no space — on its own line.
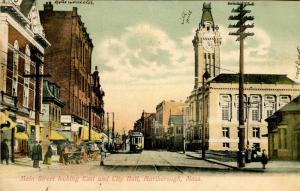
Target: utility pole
(241,26)
(107,119)
(36,57)
(205,76)
(113,130)
(90,117)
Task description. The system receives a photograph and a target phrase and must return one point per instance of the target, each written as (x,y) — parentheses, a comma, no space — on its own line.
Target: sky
(145,54)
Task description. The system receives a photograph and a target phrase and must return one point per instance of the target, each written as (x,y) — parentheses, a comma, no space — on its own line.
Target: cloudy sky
(145,53)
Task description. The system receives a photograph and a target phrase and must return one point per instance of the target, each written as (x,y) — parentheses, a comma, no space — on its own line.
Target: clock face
(208,45)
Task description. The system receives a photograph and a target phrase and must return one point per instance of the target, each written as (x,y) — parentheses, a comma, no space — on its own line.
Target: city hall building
(263,95)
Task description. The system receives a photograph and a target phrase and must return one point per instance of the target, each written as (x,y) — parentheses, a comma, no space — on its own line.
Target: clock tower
(206,43)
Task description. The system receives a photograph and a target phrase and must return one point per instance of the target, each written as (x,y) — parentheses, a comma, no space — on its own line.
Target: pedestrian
(48,155)
(95,153)
(248,155)
(102,153)
(4,152)
(36,154)
(264,159)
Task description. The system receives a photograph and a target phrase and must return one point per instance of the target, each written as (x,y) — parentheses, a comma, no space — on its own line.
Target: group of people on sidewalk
(37,153)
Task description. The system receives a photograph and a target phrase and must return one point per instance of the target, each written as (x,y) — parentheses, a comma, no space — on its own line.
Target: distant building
(284,132)
(163,111)
(145,126)
(97,102)
(22,46)
(175,132)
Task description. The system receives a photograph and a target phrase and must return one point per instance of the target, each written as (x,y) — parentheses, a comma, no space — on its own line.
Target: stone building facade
(263,95)
(22,47)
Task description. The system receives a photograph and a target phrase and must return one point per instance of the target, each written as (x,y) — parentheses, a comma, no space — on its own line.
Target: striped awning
(5,122)
(21,136)
(94,135)
(55,136)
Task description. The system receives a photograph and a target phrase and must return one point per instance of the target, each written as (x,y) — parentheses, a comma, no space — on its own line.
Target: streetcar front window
(136,140)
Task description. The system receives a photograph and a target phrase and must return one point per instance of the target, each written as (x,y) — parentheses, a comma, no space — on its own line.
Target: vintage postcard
(149,95)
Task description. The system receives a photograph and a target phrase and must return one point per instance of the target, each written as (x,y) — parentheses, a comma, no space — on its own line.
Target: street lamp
(205,76)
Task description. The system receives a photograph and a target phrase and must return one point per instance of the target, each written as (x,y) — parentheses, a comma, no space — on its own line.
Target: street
(137,171)
(159,162)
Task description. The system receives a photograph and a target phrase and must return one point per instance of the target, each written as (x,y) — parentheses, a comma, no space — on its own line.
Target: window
(225,102)
(256,132)
(225,113)
(26,80)
(225,132)
(255,114)
(283,100)
(269,112)
(15,69)
(226,145)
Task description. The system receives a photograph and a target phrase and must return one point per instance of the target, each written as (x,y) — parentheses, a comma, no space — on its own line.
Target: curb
(229,166)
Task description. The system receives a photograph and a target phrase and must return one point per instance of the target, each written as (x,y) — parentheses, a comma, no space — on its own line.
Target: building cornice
(25,31)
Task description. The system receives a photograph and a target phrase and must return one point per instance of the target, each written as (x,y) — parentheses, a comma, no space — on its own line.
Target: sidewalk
(272,166)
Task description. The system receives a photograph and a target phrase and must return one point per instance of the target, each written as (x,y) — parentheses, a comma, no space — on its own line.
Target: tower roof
(206,14)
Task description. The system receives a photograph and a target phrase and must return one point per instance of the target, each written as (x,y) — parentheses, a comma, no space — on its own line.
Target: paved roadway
(159,162)
(149,170)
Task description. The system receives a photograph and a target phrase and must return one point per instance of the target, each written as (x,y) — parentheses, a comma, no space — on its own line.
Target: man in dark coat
(4,152)
(36,154)
(48,155)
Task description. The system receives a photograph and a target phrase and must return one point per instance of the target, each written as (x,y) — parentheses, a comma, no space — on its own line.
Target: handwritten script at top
(185,16)
(88,2)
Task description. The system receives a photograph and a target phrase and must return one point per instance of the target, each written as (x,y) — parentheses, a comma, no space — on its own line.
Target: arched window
(15,68)
(26,80)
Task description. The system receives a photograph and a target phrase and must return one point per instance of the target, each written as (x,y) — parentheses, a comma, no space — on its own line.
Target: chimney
(48,6)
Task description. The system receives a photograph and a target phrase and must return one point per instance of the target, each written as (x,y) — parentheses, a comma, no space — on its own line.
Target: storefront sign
(65,119)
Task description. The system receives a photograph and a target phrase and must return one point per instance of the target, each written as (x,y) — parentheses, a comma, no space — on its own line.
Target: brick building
(69,63)
(145,125)
(22,46)
(163,112)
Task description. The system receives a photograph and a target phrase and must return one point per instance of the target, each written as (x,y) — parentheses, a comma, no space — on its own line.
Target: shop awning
(94,135)
(5,122)
(55,136)
(21,136)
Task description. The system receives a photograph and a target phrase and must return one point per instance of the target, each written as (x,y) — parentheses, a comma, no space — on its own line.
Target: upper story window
(236,103)
(225,104)
(15,68)
(270,105)
(283,100)
(255,107)
(26,80)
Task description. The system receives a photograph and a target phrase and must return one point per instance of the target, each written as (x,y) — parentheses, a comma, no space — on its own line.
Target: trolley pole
(107,121)
(113,130)
(241,26)
(205,76)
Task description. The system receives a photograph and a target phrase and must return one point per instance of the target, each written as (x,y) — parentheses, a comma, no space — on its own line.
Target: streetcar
(136,142)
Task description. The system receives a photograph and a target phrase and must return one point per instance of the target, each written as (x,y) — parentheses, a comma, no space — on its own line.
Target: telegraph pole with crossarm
(37,58)
(241,27)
